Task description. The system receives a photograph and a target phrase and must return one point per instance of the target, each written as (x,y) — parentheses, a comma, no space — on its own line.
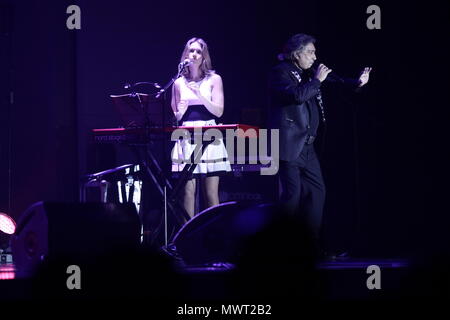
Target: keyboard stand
(156,175)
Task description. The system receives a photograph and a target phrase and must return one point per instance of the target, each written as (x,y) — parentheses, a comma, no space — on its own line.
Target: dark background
(383,146)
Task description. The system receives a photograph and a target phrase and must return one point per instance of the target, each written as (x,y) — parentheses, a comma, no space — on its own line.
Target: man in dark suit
(296,110)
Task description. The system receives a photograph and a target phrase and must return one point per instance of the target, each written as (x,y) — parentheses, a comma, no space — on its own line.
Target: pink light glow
(7,275)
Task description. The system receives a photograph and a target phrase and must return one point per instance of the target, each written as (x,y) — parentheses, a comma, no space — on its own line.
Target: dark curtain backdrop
(379,159)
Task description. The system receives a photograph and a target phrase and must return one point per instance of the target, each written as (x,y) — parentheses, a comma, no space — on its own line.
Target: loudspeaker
(74,232)
(215,235)
(248,187)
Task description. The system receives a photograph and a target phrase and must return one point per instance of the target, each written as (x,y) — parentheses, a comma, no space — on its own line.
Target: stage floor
(340,280)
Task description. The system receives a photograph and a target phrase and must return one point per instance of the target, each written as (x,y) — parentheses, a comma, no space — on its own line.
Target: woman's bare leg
(189,197)
(212,190)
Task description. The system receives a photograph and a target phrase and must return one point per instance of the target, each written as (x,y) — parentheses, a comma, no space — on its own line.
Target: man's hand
(322,72)
(364,77)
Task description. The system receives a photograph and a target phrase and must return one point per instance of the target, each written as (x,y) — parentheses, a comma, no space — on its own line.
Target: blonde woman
(198,100)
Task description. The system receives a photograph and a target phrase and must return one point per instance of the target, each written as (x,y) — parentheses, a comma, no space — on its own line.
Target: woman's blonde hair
(206,66)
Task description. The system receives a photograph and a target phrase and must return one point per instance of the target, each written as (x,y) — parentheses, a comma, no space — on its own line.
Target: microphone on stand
(183,65)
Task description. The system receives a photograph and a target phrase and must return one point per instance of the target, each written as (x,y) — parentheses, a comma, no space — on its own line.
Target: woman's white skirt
(214,159)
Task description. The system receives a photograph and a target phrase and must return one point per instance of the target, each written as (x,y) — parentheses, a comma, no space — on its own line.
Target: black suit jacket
(291,90)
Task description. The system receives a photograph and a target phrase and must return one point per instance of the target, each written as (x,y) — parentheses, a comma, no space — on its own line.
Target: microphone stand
(168,204)
(163,90)
(152,169)
(181,67)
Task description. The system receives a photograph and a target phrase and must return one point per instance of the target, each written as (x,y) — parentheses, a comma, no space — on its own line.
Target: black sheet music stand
(133,109)
(148,112)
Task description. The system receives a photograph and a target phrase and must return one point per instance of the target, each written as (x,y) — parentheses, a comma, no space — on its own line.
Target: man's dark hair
(295,43)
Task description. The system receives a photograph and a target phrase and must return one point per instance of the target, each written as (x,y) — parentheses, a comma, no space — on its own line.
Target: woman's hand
(195,87)
(182,107)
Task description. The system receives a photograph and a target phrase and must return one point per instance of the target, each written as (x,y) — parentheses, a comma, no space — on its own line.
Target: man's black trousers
(303,189)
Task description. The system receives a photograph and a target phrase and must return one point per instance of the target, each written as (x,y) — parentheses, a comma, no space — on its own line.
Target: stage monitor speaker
(216,234)
(248,186)
(73,231)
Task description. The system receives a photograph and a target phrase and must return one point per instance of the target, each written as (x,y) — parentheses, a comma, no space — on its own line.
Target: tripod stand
(149,112)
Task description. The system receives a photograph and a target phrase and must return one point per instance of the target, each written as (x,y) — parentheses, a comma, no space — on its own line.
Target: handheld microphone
(332,76)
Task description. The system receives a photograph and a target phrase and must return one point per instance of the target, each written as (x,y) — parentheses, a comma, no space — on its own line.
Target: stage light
(7,224)
(7,228)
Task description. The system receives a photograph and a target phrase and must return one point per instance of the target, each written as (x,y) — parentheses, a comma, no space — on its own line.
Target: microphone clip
(183,65)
